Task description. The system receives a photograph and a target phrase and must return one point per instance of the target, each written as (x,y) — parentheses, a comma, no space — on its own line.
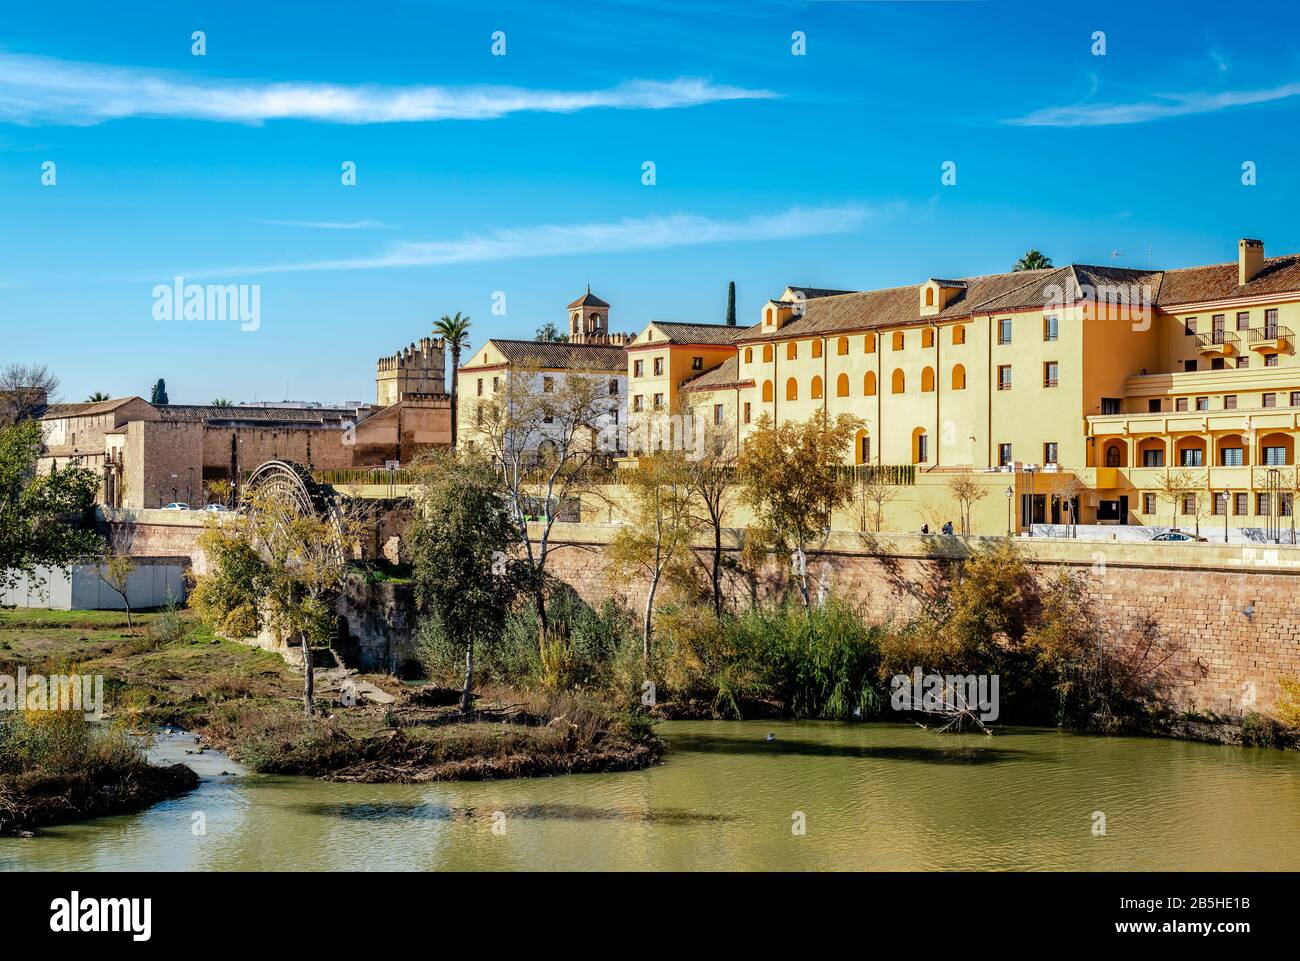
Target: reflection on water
(875,796)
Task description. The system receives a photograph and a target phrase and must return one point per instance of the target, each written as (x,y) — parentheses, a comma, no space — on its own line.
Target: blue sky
(523,173)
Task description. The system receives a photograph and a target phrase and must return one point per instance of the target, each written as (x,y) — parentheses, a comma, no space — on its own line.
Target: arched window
(816,388)
(767,353)
(817,347)
(899,381)
(869,384)
(791,389)
(899,340)
(958,377)
(1114,455)
(842,385)
(959,334)
(869,344)
(749,355)
(767,392)
(927,380)
(862,447)
(929,296)
(920,446)
(842,346)
(792,350)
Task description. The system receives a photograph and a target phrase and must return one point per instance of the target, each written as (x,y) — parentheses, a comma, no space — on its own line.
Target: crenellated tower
(420,368)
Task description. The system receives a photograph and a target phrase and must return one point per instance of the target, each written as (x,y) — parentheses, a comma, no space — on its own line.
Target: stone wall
(1223,622)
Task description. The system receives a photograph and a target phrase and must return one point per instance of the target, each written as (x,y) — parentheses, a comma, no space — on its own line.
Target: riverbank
(248,703)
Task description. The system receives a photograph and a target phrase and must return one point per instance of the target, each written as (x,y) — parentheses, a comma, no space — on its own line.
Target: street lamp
(1030,523)
(1225,516)
(1010,494)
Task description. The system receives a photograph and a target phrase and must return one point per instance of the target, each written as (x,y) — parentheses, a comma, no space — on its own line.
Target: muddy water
(872,796)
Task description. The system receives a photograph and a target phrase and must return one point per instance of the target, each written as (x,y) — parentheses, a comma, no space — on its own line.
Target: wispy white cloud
(45,90)
(329,224)
(556,240)
(1158,107)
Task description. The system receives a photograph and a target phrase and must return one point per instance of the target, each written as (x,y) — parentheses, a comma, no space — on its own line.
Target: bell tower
(589,320)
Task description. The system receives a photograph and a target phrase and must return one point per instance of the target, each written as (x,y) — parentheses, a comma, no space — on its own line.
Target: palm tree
(454,332)
(1033,260)
(221,402)
(96,397)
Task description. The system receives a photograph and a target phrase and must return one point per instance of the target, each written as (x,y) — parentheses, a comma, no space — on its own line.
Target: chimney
(1250,260)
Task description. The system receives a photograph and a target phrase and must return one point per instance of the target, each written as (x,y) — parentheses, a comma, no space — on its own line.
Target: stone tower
(418,369)
(588,320)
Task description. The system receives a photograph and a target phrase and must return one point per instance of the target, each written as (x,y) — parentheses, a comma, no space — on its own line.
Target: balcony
(1269,339)
(1217,343)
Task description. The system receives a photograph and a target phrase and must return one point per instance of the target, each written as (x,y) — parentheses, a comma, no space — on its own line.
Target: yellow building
(1098,394)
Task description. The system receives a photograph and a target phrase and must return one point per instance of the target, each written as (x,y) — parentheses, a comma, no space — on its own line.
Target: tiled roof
(812,293)
(56,411)
(588,300)
(207,414)
(725,374)
(604,357)
(1192,285)
(677,333)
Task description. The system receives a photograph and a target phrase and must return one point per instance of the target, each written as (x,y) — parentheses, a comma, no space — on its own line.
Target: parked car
(177,506)
(217,509)
(1177,536)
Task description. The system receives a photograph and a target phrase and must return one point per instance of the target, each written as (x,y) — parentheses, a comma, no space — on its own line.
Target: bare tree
(25,389)
(544,430)
(711,480)
(873,494)
(1174,487)
(117,565)
(966,491)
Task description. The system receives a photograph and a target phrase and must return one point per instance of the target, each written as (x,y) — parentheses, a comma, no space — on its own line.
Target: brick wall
(1225,620)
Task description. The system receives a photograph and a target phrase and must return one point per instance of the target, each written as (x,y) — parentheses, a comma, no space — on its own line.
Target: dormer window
(929,296)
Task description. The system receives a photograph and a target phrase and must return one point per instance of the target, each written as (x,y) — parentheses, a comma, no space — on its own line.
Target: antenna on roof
(1114,254)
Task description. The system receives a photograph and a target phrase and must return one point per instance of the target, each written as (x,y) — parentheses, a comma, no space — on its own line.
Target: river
(872,796)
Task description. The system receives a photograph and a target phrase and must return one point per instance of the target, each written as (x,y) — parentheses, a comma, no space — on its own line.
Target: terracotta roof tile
(678,333)
(604,357)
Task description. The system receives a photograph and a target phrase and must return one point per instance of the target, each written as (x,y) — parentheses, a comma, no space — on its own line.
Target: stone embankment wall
(1221,623)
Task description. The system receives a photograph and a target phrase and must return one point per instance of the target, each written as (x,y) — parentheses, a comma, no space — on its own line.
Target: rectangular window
(496,384)
(1051,370)
(659,401)
(1153,406)
(638,402)
(1230,456)
(717,414)
(1049,452)
(1268,400)
(927,337)
(1004,455)
(1189,367)
(1284,504)
(1004,330)
(697,363)
(1270,360)
(1221,504)
(638,368)
(1049,327)
(659,366)
(1110,405)
(1189,504)
(1243,319)
(1270,323)
(923,448)
(1190,457)
(548,384)
(1180,404)
(1004,377)
(1190,329)
(1243,362)
(1153,458)
(1229,401)
(746,412)
(613,388)
(1217,363)
(1217,326)
(480,386)
(1148,503)
(1241,505)
(1275,456)
(866,450)
(1202,403)
(1261,505)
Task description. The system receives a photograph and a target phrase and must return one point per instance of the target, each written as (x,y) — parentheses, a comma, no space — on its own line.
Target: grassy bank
(248,702)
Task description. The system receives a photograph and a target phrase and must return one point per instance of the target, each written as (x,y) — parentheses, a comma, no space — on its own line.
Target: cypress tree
(731,303)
